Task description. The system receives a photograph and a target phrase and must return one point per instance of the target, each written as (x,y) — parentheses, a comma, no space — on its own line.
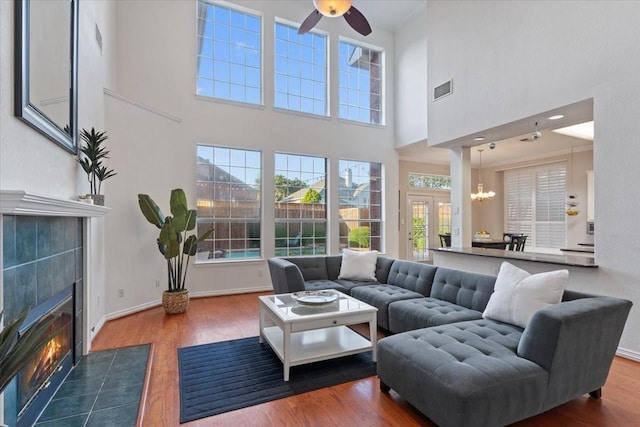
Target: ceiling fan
(333,9)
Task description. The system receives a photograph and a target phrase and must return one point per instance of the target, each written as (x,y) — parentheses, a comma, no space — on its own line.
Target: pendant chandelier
(481,195)
(572,198)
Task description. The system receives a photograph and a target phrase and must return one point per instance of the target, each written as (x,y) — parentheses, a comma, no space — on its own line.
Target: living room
(509,63)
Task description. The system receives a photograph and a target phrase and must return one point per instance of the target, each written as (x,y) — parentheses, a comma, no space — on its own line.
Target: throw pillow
(518,294)
(358,265)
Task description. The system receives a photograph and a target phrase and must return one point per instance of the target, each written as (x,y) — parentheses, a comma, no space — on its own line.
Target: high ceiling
(508,139)
(388,14)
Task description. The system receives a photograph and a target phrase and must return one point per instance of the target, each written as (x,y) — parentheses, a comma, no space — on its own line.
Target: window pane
(422,180)
(228,192)
(361,78)
(360,205)
(300,61)
(237,41)
(300,204)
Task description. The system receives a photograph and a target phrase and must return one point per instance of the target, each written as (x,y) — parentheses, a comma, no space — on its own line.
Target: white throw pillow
(358,265)
(518,294)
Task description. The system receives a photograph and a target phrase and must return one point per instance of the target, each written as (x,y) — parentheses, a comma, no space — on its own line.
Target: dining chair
(445,240)
(515,241)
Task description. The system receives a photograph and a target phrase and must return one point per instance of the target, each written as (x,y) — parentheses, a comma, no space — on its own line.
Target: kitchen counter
(581,249)
(568,260)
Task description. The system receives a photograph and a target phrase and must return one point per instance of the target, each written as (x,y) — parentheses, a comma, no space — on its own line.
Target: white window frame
(347,223)
(428,177)
(342,103)
(314,96)
(220,247)
(234,8)
(300,241)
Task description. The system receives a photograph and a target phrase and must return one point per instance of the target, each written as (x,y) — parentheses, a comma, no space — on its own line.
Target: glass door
(427,217)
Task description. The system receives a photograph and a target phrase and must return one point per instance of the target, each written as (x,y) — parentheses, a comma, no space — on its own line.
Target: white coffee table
(301,334)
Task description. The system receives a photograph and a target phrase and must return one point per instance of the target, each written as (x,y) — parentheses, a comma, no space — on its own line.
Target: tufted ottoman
(463,374)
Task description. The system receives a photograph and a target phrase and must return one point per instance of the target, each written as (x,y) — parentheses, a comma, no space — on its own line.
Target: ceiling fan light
(332,8)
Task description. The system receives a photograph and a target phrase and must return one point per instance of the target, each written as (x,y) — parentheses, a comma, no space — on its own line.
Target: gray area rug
(229,375)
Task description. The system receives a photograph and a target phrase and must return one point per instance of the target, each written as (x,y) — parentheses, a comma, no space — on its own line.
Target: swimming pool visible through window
(228,198)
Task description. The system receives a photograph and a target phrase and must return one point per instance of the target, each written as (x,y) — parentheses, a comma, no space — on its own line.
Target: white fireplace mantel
(15,202)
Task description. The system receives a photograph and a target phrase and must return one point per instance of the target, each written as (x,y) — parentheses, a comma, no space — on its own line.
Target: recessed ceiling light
(581,130)
(479,138)
(556,117)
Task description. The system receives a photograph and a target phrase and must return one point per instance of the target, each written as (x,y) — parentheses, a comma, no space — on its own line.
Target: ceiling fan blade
(358,22)
(310,22)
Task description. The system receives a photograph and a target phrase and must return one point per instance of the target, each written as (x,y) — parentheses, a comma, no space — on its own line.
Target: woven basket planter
(175,302)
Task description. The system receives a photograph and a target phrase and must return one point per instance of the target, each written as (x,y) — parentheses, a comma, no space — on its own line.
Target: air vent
(443,90)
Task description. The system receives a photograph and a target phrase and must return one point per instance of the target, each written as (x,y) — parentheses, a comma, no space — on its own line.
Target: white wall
(412,96)
(28,160)
(511,60)
(33,163)
(154,147)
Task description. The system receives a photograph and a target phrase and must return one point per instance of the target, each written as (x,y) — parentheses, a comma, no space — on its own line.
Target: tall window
(535,201)
(300,70)
(300,205)
(228,191)
(360,81)
(229,54)
(360,205)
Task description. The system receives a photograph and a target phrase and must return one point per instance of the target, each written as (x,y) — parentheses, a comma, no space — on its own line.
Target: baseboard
(229,292)
(628,354)
(203,294)
(86,347)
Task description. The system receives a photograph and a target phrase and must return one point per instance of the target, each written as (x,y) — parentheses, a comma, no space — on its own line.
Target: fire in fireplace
(45,371)
(35,375)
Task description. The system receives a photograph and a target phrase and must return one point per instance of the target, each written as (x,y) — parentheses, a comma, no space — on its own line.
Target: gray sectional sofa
(457,367)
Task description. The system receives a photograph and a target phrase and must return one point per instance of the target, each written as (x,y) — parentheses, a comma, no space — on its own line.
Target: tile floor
(104,389)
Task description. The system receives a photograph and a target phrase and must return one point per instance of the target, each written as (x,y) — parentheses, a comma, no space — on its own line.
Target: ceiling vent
(443,90)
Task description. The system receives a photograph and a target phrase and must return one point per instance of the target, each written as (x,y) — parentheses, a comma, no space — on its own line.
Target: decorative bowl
(314,297)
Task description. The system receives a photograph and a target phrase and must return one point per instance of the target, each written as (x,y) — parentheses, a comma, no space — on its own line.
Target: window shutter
(519,203)
(550,208)
(535,205)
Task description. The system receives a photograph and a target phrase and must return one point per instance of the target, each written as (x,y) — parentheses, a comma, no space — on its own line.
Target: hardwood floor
(359,403)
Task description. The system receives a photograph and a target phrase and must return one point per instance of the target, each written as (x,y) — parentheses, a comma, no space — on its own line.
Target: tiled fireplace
(43,267)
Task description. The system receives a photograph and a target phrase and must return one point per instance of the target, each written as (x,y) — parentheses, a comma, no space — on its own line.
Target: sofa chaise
(455,365)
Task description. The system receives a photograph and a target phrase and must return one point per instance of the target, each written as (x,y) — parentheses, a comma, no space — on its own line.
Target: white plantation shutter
(551,196)
(518,203)
(535,205)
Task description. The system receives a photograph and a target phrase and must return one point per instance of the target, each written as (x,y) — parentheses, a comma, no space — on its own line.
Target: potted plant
(174,244)
(91,162)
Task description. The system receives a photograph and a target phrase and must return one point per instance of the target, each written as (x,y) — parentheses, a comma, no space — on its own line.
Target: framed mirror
(46,68)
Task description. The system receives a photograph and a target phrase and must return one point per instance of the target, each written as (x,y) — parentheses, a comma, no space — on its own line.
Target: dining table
(489,244)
